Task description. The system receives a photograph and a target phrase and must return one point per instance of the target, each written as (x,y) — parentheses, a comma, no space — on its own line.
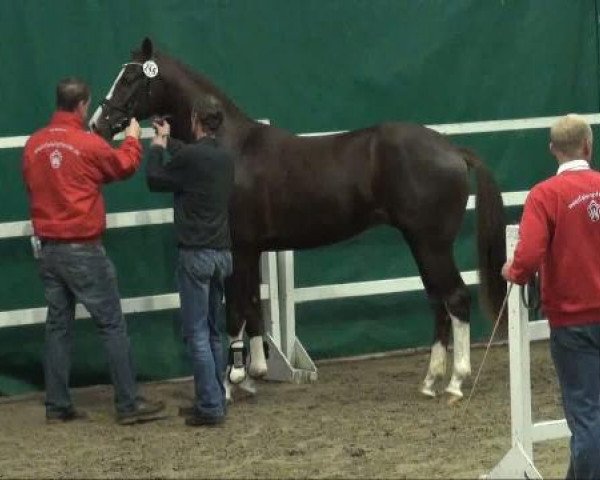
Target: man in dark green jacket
(200,175)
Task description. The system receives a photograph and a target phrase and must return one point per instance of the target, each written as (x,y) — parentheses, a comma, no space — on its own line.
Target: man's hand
(163,130)
(133,130)
(506,269)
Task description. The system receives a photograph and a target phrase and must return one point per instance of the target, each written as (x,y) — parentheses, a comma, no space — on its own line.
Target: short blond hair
(569,133)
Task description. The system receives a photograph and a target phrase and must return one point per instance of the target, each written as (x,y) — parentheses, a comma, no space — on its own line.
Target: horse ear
(147,49)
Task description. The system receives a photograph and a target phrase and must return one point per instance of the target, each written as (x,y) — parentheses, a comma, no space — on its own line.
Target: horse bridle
(132,99)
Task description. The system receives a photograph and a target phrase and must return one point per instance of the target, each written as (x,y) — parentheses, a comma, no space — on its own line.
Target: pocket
(224,263)
(577,338)
(89,266)
(197,263)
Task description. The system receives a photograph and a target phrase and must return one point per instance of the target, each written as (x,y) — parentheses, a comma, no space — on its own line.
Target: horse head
(138,91)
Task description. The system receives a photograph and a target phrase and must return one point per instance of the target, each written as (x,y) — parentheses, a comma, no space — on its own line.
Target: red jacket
(64,168)
(560,236)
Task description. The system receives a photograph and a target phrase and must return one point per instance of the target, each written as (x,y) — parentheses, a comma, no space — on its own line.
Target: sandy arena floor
(362,419)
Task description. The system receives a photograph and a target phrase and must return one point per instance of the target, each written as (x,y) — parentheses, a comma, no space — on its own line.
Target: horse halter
(149,71)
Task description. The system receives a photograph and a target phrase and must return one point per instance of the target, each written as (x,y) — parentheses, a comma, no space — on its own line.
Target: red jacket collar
(69,119)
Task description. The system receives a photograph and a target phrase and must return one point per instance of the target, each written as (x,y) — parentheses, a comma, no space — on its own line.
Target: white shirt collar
(573,165)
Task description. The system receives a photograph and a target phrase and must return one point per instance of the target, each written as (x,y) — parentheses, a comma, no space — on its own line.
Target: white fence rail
(163,216)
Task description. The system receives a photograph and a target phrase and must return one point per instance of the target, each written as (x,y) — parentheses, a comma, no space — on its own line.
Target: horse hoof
(237,375)
(428,392)
(454,395)
(257,371)
(248,386)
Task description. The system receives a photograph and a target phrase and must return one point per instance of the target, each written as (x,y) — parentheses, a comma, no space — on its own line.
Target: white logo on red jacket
(593,211)
(55,159)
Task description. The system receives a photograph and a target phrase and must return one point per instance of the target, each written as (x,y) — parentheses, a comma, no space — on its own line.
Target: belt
(67,241)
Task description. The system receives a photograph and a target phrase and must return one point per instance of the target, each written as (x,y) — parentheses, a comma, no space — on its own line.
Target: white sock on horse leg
(437,368)
(236,372)
(462,355)
(258,363)
(228,387)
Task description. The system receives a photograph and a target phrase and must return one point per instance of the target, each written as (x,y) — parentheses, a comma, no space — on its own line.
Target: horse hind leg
(458,306)
(439,349)
(454,310)
(451,301)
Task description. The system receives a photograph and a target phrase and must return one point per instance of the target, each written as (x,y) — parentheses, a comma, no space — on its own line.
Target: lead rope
(510,285)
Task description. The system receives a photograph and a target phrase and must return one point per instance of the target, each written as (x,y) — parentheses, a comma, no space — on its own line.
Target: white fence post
(518,461)
(270,306)
(285,265)
(519,359)
(288,360)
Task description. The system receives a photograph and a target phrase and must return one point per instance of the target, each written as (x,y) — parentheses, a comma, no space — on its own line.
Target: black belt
(70,241)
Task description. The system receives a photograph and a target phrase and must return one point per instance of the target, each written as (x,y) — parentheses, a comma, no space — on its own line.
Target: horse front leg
(253,319)
(243,306)
(235,373)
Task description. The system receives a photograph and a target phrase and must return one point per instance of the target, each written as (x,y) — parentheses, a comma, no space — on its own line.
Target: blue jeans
(78,272)
(201,278)
(576,355)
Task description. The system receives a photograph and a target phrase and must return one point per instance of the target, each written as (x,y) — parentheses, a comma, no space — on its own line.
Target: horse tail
(491,240)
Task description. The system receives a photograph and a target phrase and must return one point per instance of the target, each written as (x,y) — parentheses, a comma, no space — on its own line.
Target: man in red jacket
(560,237)
(64,168)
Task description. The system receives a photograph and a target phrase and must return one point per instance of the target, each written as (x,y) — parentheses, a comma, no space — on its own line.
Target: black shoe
(145,411)
(66,416)
(201,420)
(189,411)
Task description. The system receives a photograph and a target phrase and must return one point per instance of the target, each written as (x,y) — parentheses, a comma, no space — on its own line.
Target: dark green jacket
(200,175)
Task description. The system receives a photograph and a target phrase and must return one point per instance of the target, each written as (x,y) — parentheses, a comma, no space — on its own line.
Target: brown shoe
(66,416)
(145,411)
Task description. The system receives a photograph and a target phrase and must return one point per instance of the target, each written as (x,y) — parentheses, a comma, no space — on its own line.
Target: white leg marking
(462,356)
(247,385)
(237,374)
(258,363)
(228,388)
(437,368)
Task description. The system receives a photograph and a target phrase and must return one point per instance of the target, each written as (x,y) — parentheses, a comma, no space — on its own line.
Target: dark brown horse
(295,192)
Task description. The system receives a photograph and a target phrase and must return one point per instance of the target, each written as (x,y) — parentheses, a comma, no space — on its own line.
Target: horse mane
(203,84)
